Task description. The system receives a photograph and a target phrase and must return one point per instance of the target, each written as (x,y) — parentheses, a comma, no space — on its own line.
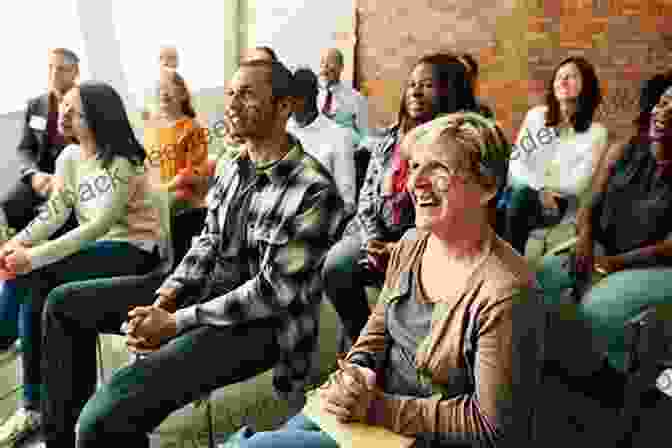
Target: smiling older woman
(440,358)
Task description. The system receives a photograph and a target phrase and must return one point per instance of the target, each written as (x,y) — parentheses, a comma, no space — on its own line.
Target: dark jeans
(141,395)
(524,213)
(73,316)
(13,313)
(98,259)
(345,280)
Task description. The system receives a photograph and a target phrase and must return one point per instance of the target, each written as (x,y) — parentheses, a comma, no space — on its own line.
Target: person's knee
(95,419)
(55,302)
(552,273)
(339,265)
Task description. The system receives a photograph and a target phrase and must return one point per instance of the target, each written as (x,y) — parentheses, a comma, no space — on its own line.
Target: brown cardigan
(474,354)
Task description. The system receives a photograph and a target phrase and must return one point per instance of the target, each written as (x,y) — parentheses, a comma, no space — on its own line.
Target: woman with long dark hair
(557,150)
(438,83)
(102,181)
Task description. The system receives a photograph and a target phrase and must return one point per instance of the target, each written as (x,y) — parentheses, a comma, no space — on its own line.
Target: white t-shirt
(333,146)
(561,161)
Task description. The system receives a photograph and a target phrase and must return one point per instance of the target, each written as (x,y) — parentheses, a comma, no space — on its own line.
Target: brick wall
(517,43)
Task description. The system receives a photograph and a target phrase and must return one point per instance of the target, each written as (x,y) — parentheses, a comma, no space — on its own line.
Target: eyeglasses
(440,175)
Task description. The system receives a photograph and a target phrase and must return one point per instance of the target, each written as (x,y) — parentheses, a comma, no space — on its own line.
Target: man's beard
(258,126)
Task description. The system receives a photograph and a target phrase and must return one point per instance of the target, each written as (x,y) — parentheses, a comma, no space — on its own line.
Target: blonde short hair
(486,151)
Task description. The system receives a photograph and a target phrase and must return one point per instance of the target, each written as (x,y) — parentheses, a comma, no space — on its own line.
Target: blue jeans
(10,308)
(609,303)
(22,299)
(298,432)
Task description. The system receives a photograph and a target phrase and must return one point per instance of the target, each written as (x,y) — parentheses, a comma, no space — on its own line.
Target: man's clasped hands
(150,326)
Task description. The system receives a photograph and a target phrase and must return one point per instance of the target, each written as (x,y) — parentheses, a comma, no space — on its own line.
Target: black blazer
(35,152)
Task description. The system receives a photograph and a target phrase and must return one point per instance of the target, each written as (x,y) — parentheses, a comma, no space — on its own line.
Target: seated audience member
(174,140)
(472,69)
(436,84)
(557,150)
(41,143)
(168,61)
(623,234)
(343,104)
(103,183)
(328,142)
(261,53)
(648,97)
(438,361)
(253,273)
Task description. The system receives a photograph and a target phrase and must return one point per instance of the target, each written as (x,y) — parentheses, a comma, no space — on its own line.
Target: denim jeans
(29,292)
(608,304)
(298,432)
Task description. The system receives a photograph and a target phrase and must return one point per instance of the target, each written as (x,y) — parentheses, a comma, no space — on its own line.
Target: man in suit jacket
(40,145)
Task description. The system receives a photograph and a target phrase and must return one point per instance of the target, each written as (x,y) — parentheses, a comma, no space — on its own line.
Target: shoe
(19,426)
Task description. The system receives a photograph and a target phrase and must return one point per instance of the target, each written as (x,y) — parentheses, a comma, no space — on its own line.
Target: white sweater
(559,161)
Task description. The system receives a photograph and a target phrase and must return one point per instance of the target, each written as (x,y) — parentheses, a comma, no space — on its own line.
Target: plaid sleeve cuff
(170,283)
(186,318)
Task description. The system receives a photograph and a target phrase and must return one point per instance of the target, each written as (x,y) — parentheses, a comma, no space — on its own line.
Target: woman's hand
(192,185)
(549,199)
(349,394)
(607,265)
(584,254)
(16,259)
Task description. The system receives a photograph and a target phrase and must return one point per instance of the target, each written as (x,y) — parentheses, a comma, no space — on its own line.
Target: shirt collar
(333,87)
(280,170)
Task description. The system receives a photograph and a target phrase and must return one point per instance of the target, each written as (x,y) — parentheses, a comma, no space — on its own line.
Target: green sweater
(113,204)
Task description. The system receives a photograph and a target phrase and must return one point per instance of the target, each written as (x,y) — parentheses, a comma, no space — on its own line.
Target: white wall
(28,30)
(195,28)
(299,29)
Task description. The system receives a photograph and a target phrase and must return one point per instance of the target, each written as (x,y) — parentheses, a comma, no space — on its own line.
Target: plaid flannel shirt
(294,217)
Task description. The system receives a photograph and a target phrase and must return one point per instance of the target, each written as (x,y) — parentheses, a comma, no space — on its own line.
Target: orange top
(173,149)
